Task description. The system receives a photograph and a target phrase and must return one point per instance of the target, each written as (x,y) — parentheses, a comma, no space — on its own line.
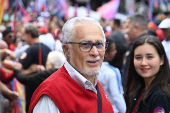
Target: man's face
(109,55)
(129,30)
(166,32)
(27,38)
(87,63)
(9,38)
(111,22)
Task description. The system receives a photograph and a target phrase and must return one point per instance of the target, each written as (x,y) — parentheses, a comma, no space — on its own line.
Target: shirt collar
(167,39)
(105,63)
(79,78)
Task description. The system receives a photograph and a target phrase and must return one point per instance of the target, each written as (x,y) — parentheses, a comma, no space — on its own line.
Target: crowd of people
(84,65)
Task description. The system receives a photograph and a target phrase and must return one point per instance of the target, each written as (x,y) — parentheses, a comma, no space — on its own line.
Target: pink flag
(109,9)
(75,7)
(156,4)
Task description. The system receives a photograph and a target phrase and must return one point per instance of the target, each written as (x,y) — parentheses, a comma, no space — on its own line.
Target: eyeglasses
(87,46)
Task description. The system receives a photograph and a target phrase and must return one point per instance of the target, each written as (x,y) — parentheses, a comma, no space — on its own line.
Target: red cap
(160,34)
(43,30)
(152,25)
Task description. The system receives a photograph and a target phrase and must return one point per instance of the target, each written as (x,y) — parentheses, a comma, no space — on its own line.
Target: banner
(109,9)
(1,9)
(131,7)
(6,4)
(40,4)
(150,10)
(75,9)
(88,6)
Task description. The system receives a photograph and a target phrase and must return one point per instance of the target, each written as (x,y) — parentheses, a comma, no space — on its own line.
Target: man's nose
(94,51)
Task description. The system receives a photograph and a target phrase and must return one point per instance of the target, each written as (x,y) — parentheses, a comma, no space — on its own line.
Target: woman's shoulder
(158,91)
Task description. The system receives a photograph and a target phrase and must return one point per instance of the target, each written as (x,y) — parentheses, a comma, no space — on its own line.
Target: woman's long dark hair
(133,79)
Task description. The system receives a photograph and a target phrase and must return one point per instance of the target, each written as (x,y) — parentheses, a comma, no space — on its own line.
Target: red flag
(15,16)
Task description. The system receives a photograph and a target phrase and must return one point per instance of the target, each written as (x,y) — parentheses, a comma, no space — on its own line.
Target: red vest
(69,96)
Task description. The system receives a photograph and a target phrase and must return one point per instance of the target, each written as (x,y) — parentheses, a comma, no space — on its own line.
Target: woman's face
(147,61)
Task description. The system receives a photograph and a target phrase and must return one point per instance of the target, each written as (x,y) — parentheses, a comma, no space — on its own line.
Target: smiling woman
(148,80)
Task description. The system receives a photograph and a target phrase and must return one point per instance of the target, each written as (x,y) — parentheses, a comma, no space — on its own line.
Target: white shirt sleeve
(45,105)
(117,97)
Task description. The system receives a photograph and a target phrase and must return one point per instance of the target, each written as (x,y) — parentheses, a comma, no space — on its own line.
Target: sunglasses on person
(10,36)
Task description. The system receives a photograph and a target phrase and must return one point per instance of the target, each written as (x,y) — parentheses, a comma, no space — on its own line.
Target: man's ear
(136,27)
(66,50)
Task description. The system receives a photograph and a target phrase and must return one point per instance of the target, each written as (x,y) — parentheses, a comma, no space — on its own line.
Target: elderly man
(165,26)
(74,87)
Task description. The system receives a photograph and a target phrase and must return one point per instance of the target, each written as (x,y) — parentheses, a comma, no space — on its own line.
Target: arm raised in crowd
(11,95)
(9,53)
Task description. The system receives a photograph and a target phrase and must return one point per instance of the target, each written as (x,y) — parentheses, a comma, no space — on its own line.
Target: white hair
(68,30)
(56,58)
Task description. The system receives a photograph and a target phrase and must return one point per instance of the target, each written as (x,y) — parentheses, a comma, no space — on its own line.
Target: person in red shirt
(74,87)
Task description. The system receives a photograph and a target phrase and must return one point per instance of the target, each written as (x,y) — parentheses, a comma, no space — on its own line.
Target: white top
(110,78)
(166,45)
(48,40)
(58,46)
(1,36)
(19,50)
(46,105)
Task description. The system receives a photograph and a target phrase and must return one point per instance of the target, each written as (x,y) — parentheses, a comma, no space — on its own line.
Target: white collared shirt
(167,49)
(46,105)
(110,78)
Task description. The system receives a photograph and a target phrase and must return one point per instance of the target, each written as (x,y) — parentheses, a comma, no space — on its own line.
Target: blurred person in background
(9,16)
(136,26)
(103,24)
(110,78)
(8,37)
(120,41)
(165,26)
(55,60)
(2,28)
(35,54)
(20,44)
(46,38)
(6,92)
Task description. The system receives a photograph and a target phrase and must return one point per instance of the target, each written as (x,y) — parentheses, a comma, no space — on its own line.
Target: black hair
(110,41)
(133,79)
(117,22)
(7,31)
